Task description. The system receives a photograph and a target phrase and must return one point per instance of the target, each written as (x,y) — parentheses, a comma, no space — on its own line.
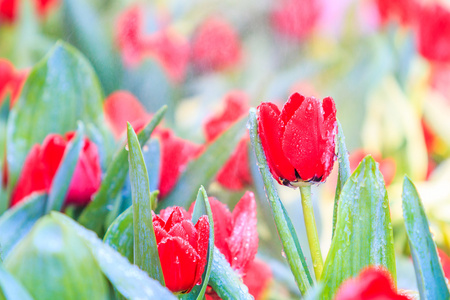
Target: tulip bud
(299,142)
(52,262)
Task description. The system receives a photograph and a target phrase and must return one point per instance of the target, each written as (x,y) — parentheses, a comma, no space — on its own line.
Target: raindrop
(126,147)
(283,253)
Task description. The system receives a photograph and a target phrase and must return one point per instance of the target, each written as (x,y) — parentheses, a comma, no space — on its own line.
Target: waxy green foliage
(145,248)
(10,288)
(61,90)
(52,262)
(430,277)
(363,234)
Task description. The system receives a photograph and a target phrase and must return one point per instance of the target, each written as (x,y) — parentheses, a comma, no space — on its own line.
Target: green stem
(311,230)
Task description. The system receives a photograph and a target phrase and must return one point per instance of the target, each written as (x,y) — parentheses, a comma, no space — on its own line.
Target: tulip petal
(243,241)
(291,106)
(179,263)
(202,227)
(257,278)
(271,128)
(175,217)
(185,230)
(222,225)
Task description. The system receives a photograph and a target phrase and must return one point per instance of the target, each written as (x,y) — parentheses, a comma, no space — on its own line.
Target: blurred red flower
(257,278)
(171,50)
(216,45)
(299,141)
(235,174)
(122,107)
(445,262)
(182,248)
(373,283)
(295,19)
(404,11)
(11,81)
(434,33)
(10,8)
(387,166)
(176,153)
(43,161)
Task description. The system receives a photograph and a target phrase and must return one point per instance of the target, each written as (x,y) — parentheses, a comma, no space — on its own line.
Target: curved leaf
(285,229)
(430,277)
(93,216)
(363,233)
(11,288)
(16,222)
(146,254)
(120,235)
(129,280)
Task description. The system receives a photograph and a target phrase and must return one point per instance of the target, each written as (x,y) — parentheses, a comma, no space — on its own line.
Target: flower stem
(311,230)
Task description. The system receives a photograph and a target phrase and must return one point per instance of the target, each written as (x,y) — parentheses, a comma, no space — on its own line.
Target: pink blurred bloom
(403,11)
(9,9)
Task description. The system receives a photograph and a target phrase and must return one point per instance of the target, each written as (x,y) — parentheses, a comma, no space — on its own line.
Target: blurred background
(385,63)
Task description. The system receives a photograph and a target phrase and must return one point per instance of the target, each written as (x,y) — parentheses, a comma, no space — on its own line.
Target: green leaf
(93,217)
(85,31)
(52,262)
(129,280)
(16,222)
(63,177)
(344,170)
(204,168)
(60,90)
(202,207)
(430,277)
(225,281)
(146,254)
(120,234)
(11,288)
(363,233)
(285,229)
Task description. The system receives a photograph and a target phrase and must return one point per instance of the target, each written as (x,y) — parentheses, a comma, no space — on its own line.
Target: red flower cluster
(216,45)
(169,48)
(176,153)
(11,81)
(43,161)
(235,174)
(404,11)
(372,283)
(299,141)
(295,19)
(10,8)
(182,248)
(236,237)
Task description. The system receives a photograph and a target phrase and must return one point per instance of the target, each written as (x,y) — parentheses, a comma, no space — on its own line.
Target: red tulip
(235,233)
(387,166)
(122,107)
(296,19)
(176,153)
(182,248)
(43,161)
(434,33)
(299,141)
(216,45)
(373,283)
(10,8)
(445,262)
(257,278)
(235,174)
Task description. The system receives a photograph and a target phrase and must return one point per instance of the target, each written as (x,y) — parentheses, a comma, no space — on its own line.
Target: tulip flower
(182,248)
(235,173)
(42,162)
(299,141)
(236,236)
(295,19)
(404,11)
(372,283)
(434,33)
(216,45)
